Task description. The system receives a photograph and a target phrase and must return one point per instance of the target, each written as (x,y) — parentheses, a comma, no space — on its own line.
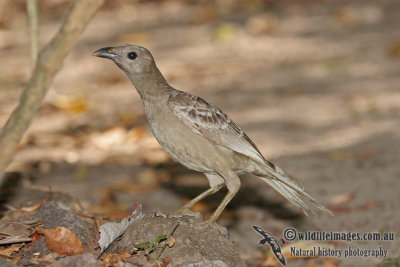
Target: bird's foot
(205,224)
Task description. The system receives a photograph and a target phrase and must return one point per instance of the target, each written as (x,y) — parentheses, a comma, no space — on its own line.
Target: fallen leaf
(111,231)
(14,228)
(16,259)
(114,257)
(7,251)
(123,253)
(61,240)
(35,236)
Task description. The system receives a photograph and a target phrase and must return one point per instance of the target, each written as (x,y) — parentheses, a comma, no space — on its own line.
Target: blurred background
(315,84)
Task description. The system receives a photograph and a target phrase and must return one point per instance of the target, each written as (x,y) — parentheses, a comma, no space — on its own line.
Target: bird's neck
(151,85)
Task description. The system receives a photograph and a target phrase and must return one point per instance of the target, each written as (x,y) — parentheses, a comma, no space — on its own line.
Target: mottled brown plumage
(199,135)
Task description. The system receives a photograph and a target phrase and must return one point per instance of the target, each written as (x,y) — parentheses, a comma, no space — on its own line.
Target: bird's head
(132,59)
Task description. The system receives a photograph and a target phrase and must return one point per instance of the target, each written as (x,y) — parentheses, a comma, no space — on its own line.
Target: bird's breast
(190,149)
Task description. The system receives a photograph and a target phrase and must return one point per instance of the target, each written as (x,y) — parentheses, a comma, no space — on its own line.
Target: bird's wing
(211,123)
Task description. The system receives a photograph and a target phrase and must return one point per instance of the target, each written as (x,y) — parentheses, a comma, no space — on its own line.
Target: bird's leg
(216,183)
(233,183)
(205,194)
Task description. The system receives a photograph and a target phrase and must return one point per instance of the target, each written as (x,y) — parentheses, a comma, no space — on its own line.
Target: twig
(49,62)
(32,12)
(166,243)
(15,239)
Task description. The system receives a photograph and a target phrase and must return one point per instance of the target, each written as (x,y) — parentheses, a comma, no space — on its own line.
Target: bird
(201,136)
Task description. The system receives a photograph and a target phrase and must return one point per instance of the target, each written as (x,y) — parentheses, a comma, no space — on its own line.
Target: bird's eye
(132,55)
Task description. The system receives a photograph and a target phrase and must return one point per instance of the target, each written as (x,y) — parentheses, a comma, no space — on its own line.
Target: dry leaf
(111,231)
(16,259)
(7,251)
(114,257)
(123,253)
(15,228)
(35,236)
(61,240)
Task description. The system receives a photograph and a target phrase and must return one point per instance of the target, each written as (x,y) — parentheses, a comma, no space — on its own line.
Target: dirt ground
(315,85)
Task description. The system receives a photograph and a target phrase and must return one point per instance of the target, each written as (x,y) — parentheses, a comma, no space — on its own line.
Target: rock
(51,215)
(194,245)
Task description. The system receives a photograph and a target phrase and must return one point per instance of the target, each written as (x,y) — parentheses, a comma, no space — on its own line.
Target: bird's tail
(292,191)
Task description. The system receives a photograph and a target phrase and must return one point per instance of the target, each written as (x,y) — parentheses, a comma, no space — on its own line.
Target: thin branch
(32,12)
(166,242)
(49,62)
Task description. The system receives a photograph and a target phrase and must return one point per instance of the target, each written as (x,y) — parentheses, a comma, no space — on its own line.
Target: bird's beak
(106,52)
